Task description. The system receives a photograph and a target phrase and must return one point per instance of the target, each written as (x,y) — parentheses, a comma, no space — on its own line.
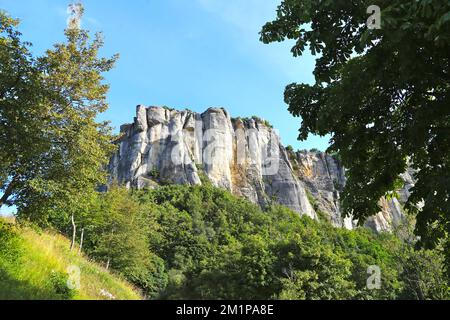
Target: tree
(423,276)
(52,150)
(22,113)
(383,95)
(118,233)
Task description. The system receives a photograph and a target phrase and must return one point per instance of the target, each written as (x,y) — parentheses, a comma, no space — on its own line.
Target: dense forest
(200,242)
(203,243)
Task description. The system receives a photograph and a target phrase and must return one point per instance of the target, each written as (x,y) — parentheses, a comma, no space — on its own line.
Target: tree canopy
(52,149)
(201,242)
(384,96)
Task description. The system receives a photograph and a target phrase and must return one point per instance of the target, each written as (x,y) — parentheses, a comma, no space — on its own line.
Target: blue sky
(183,53)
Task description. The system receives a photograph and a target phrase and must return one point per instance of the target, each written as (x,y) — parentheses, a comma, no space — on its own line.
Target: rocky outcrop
(324,179)
(244,156)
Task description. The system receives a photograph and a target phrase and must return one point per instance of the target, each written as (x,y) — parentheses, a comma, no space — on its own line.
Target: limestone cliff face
(324,178)
(244,156)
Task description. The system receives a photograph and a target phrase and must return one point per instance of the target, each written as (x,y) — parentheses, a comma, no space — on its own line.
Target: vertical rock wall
(244,156)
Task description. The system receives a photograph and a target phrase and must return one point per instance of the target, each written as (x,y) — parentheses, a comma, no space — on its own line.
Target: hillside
(34,266)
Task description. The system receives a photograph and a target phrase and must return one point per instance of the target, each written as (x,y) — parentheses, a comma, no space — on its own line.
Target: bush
(10,248)
(58,284)
(119,232)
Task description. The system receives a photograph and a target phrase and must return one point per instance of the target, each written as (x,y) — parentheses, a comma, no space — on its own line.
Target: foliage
(217,246)
(117,234)
(10,249)
(336,156)
(21,114)
(51,147)
(33,266)
(154,173)
(383,94)
(422,276)
(200,242)
(258,119)
(58,282)
(170,109)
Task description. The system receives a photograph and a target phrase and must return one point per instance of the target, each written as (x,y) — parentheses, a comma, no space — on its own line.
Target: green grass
(34,266)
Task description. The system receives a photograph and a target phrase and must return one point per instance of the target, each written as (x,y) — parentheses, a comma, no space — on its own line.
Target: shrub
(58,284)
(10,247)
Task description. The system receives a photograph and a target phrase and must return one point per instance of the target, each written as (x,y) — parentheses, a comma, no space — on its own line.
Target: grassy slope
(39,271)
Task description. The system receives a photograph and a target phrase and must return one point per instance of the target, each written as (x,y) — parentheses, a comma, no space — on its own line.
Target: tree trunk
(109,259)
(81,241)
(74,233)
(421,294)
(8,192)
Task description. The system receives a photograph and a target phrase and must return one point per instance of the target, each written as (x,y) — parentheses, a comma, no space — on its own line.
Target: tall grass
(35,265)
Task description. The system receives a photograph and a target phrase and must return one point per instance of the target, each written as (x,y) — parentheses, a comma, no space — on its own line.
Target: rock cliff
(245,156)
(324,178)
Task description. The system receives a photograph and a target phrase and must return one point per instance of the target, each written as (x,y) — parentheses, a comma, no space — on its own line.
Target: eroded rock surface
(244,156)
(324,178)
